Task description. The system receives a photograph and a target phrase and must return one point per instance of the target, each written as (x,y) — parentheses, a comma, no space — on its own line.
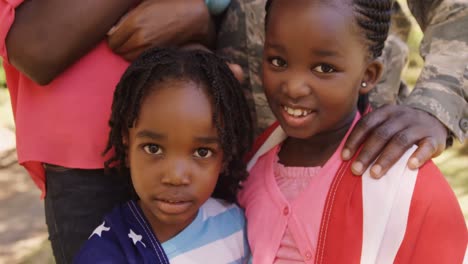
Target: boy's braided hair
(373,18)
(230,110)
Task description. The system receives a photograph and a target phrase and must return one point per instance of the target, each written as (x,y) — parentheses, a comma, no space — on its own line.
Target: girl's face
(174,155)
(313,64)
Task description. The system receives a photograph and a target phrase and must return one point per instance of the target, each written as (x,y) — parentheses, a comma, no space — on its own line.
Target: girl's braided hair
(231,114)
(373,18)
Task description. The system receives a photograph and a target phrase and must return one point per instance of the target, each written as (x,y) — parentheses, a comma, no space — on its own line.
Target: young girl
(181,126)
(302,203)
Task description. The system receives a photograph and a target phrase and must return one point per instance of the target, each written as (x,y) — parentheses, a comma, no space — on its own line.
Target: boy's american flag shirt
(217,235)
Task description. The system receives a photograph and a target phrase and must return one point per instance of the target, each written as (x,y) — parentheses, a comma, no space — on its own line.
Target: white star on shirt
(98,231)
(135,238)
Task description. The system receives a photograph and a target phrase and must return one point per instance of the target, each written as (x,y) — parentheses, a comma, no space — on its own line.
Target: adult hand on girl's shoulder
(388,132)
(161,23)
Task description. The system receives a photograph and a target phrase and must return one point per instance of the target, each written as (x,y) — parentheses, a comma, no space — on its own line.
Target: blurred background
(23,234)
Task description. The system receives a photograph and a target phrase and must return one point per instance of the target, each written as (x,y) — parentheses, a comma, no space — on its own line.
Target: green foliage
(454,165)
(415,62)
(2,75)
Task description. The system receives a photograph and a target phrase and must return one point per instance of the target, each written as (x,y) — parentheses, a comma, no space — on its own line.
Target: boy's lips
(173,206)
(173,203)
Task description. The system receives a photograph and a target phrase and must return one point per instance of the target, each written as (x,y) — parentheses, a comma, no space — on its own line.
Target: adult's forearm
(47,36)
(202,28)
(208,35)
(203,32)
(442,87)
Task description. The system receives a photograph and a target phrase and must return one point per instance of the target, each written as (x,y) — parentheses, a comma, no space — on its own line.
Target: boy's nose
(177,173)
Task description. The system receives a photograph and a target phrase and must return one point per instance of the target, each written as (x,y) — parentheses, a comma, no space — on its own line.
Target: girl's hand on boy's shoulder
(160,23)
(388,132)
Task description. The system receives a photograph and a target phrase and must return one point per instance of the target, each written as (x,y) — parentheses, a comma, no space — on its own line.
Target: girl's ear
(371,77)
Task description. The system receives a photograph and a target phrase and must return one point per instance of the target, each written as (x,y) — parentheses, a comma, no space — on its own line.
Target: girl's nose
(177,173)
(296,88)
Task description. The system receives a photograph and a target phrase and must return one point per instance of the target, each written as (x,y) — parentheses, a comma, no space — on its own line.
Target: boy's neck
(314,151)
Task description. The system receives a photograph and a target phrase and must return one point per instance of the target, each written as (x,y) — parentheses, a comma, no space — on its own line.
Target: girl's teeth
(296,112)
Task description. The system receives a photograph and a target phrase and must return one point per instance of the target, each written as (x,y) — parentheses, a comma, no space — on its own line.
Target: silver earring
(363,84)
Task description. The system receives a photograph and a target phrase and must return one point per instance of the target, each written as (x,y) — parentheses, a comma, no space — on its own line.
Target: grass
(454,165)
(2,75)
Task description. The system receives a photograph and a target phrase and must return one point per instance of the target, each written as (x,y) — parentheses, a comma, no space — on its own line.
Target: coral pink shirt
(270,214)
(66,122)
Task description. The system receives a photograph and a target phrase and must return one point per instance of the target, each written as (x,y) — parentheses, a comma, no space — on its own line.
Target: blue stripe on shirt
(200,233)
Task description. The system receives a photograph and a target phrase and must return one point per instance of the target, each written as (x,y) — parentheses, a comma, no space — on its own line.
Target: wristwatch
(217,7)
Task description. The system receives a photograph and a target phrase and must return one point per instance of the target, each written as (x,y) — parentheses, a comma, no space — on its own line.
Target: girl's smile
(297,116)
(297,111)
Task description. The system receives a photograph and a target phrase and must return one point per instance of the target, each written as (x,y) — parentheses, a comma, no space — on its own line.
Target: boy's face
(313,64)
(174,155)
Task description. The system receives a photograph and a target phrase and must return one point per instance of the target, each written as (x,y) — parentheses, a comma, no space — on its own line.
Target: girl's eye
(278,62)
(324,68)
(153,149)
(203,153)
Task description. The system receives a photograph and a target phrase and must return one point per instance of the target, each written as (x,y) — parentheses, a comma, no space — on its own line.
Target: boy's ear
(372,76)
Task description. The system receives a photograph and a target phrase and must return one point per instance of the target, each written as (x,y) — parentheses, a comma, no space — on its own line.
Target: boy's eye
(152,149)
(203,153)
(277,62)
(324,68)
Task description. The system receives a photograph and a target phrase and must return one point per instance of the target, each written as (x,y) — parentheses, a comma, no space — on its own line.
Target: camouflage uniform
(241,38)
(442,88)
(391,89)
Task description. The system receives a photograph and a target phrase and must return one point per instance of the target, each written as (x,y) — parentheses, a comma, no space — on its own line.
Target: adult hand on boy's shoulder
(388,132)
(161,23)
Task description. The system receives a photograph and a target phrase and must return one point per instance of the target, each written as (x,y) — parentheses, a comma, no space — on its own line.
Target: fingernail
(413,163)
(346,154)
(111,31)
(375,171)
(357,167)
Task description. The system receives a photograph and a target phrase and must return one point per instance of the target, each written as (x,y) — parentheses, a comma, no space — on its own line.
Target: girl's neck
(314,151)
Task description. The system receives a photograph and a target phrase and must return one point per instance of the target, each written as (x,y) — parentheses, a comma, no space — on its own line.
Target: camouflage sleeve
(442,88)
(240,40)
(391,89)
